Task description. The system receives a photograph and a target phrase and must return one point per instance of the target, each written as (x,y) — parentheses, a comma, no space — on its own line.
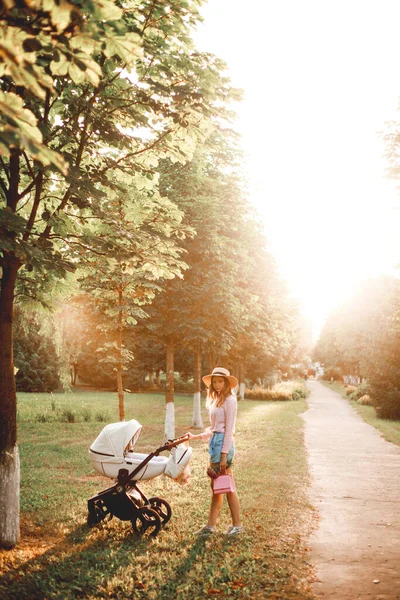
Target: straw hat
(220,372)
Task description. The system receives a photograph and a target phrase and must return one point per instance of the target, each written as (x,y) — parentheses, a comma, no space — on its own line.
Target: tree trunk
(197,420)
(169,431)
(242,383)
(152,384)
(158,381)
(120,387)
(9,457)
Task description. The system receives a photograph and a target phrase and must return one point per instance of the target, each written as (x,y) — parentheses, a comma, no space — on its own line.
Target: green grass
(389,429)
(60,558)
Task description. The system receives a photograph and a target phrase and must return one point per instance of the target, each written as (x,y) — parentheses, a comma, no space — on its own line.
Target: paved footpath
(356,489)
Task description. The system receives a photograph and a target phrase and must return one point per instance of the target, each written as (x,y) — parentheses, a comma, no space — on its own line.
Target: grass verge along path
(61,558)
(389,429)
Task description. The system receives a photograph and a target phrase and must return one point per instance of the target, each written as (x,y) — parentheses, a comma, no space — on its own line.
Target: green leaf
(127,47)
(76,74)
(61,14)
(59,67)
(108,10)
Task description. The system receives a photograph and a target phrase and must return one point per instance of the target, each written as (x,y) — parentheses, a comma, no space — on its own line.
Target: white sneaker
(235,530)
(206,530)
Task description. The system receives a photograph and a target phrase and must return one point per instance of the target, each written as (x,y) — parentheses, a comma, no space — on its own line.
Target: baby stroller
(111,454)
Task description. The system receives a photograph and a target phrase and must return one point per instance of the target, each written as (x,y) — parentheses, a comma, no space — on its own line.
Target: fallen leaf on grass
(140,585)
(214,592)
(237,584)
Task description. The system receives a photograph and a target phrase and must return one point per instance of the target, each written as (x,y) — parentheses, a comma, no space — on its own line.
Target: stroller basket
(112,454)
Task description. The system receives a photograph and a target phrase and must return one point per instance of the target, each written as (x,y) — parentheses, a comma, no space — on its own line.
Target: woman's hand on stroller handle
(177,441)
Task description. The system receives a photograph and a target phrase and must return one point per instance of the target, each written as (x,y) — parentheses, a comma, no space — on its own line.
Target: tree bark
(120,387)
(158,380)
(169,431)
(242,383)
(152,384)
(197,420)
(9,457)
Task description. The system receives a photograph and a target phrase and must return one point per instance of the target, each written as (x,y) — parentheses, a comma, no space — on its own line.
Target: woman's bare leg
(216,503)
(234,507)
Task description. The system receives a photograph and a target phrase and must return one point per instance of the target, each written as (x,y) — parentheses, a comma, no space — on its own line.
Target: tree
(141,230)
(35,354)
(230,296)
(29,39)
(88,91)
(362,337)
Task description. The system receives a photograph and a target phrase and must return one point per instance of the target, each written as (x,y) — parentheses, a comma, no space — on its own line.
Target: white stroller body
(112,450)
(112,455)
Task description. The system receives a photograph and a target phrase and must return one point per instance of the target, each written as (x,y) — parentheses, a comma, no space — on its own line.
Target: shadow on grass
(195,555)
(93,563)
(79,566)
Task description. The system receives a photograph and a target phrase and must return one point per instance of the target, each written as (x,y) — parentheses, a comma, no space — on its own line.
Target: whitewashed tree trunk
(9,497)
(169,432)
(241,390)
(197,420)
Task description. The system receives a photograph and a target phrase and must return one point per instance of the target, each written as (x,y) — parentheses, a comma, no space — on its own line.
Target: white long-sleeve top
(223,420)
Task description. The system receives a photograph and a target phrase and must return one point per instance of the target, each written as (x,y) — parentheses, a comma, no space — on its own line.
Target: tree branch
(130,154)
(28,189)
(6,171)
(77,243)
(12,199)
(4,187)
(28,165)
(152,7)
(36,202)
(68,193)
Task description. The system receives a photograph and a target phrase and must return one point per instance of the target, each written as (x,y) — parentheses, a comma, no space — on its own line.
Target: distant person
(222,408)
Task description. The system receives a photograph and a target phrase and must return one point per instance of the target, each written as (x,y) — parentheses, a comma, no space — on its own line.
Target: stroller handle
(172,443)
(167,446)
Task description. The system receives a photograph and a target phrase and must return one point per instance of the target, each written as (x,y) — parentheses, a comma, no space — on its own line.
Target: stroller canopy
(115,438)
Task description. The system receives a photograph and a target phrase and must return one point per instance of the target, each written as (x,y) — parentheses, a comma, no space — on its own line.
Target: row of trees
(362,338)
(122,203)
(229,304)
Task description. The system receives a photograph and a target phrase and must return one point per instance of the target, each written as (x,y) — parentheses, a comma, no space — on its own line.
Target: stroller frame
(127,502)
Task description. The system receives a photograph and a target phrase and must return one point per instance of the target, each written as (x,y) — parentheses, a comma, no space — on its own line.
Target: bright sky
(321,78)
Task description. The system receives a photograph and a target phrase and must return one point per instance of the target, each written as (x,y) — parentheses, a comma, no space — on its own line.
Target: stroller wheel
(96,514)
(146,522)
(162,507)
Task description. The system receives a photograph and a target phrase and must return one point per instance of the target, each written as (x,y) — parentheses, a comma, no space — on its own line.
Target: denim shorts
(215,447)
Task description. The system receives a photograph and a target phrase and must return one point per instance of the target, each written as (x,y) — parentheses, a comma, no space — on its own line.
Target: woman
(222,408)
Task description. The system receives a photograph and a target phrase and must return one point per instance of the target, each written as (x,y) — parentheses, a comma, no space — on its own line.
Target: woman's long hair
(215,399)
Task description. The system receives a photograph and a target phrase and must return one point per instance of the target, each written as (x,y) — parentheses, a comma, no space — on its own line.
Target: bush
(299,393)
(87,415)
(387,404)
(68,415)
(288,390)
(35,354)
(101,417)
(365,400)
(330,373)
(41,418)
(350,389)
(361,390)
(182,386)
